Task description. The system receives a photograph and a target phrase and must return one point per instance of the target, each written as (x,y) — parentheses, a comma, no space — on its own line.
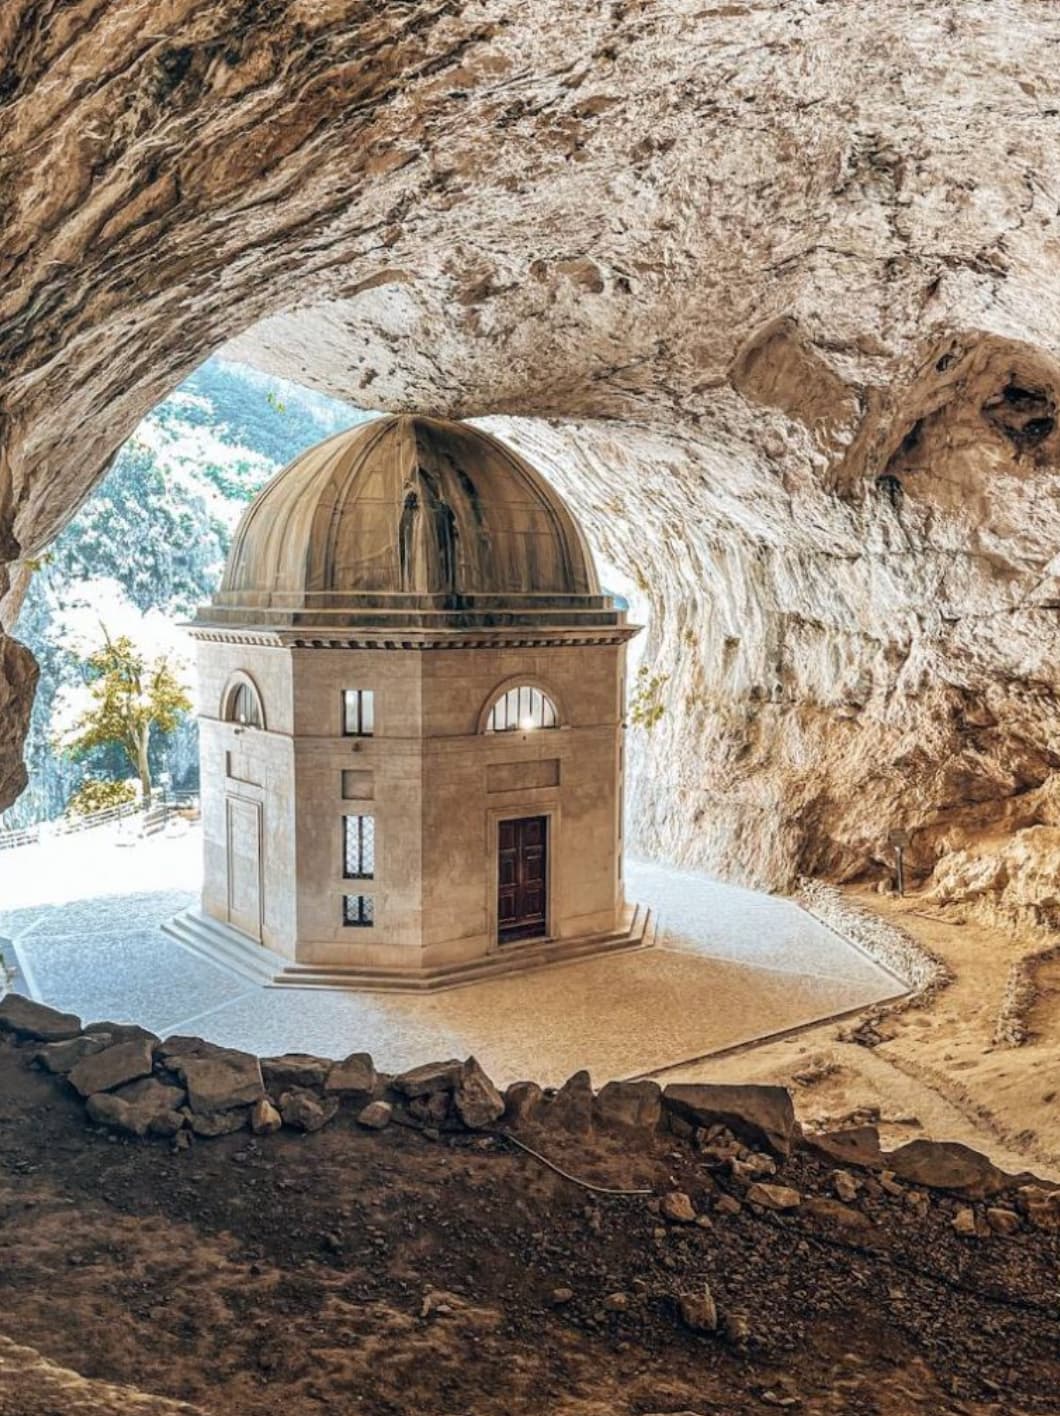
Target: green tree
(99,794)
(127,695)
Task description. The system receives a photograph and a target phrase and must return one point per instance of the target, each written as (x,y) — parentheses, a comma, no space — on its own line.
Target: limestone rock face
(33,1386)
(772,293)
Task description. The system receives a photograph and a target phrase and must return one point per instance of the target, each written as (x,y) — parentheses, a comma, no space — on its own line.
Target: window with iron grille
(358,712)
(358,910)
(358,847)
(522,708)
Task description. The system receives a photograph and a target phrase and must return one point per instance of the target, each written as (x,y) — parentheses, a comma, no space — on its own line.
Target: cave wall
(772,291)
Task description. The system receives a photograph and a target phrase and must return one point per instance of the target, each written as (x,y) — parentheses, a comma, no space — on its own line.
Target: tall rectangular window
(358,712)
(358,911)
(358,847)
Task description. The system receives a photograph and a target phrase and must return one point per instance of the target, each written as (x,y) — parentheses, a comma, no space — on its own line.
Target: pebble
(677,1207)
(845,1185)
(964,1222)
(698,1310)
(1003,1221)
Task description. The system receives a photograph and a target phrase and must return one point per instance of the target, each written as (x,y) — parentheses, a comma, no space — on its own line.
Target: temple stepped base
(227,948)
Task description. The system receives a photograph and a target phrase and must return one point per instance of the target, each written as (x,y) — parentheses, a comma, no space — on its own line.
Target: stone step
(512,959)
(226,948)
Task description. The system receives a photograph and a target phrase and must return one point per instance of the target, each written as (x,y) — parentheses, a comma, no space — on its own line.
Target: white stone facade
(358,801)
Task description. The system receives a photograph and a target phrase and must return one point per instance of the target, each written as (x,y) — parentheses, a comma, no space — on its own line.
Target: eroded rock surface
(772,292)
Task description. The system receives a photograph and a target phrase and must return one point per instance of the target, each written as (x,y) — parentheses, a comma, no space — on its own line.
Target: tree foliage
(99,794)
(158,527)
(129,694)
(646,705)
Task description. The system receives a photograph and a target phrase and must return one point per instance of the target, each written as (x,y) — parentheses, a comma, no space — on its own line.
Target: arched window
(522,709)
(243,706)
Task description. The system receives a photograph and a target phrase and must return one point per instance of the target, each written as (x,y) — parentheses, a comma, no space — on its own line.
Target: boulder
(855,1145)
(571,1108)
(294,1069)
(34,1022)
(265,1120)
(217,1078)
(431,1077)
(522,1102)
(122,1032)
(306,1111)
(773,1197)
(1003,1221)
(139,1116)
(629,1106)
(209,1124)
(477,1101)
(375,1116)
(353,1076)
(180,1045)
(431,1110)
(59,1057)
(152,1094)
(110,1068)
(947,1165)
(759,1115)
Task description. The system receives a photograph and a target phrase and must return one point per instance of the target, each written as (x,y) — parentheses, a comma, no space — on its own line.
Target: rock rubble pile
(744,1137)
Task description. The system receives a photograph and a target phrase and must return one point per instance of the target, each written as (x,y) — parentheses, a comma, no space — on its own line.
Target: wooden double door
(522,879)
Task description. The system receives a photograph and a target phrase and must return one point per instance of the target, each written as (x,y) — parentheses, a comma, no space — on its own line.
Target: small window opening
(244,707)
(521,709)
(358,911)
(358,848)
(358,712)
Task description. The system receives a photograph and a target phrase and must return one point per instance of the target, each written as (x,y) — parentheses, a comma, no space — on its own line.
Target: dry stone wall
(771,292)
(746,1137)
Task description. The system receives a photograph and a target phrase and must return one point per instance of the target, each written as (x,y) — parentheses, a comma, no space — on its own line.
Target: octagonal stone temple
(412,697)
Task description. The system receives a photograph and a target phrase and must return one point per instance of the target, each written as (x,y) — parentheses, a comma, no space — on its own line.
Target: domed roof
(408,516)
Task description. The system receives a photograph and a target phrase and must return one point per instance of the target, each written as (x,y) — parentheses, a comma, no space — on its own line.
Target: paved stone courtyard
(731,965)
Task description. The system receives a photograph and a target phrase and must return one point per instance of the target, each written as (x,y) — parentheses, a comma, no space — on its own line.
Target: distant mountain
(153,538)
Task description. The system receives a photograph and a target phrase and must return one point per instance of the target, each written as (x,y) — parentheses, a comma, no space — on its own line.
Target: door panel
(522,878)
(244,866)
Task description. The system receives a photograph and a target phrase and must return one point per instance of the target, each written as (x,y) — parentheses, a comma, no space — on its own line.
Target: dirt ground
(353,1272)
(938,1072)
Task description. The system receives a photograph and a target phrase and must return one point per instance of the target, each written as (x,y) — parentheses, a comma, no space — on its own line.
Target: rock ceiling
(771,290)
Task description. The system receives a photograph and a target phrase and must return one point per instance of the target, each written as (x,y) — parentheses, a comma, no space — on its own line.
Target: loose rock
(353,1076)
(294,1069)
(59,1057)
(375,1116)
(265,1120)
(773,1197)
(677,1207)
(699,1310)
(1003,1221)
(629,1106)
(217,1078)
(105,1070)
(33,1022)
(761,1115)
(428,1079)
(305,1111)
(478,1102)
